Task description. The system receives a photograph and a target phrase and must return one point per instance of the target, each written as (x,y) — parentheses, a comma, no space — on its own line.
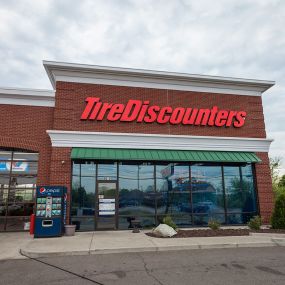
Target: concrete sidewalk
(121,241)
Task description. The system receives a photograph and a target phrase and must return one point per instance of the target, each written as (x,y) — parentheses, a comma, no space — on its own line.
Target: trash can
(32,224)
(69,230)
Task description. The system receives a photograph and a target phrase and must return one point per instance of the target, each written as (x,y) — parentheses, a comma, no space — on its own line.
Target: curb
(31,254)
(272,243)
(278,241)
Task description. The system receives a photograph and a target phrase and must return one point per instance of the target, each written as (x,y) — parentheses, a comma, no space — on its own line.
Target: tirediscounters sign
(141,111)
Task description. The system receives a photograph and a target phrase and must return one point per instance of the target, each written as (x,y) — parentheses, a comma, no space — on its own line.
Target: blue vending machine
(50,211)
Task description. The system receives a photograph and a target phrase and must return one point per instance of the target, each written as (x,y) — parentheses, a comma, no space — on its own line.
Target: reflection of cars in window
(202,186)
(203,207)
(185,207)
(150,197)
(83,211)
(17,209)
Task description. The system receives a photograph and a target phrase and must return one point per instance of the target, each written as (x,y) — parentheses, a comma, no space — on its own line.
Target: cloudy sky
(242,38)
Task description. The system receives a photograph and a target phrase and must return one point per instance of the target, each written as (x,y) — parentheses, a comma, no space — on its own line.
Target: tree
(275,164)
(278,216)
(281,182)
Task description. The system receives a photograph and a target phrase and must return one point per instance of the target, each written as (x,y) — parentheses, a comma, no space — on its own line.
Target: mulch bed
(219,232)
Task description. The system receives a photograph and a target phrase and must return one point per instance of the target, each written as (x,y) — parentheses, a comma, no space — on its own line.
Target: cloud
(228,38)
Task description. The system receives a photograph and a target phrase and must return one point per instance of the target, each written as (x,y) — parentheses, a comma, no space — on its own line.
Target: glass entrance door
(106,205)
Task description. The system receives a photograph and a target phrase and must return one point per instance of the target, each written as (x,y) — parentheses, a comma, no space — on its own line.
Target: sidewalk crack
(89,250)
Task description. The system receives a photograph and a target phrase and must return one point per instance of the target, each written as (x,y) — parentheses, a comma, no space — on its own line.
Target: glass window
(4,180)
(136,192)
(249,195)
(173,193)
(83,196)
(248,189)
(240,194)
(107,171)
(5,155)
(22,166)
(87,169)
(25,156)
(23,181)
(76,168)
(18,175)
(21,195)
(234,194)
(207,193)
(151,192)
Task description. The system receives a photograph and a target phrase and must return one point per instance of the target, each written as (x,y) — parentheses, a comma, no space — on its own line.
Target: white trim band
(27,97)
(94,74)
(155,141)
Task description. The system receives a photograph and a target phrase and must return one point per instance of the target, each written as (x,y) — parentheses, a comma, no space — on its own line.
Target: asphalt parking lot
(212,266)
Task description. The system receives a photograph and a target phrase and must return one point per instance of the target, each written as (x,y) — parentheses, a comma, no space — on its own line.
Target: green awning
(163,155)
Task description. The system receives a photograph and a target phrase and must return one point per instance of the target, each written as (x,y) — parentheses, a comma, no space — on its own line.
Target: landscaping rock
(164,230)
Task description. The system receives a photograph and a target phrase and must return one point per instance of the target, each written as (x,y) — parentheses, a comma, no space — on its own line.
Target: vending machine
(50,211)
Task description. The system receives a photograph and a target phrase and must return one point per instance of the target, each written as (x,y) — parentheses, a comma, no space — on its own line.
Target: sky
(239,38)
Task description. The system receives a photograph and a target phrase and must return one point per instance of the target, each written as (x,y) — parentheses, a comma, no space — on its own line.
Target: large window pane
(76,168)
(240,194)
(4,180)
(249,189)
(107,171)
(83,196)
(18,175)
(25,156)
(234,194)
(136,193)
(207,193)
(23,181)
(87,169)
(5,155)
(173,193)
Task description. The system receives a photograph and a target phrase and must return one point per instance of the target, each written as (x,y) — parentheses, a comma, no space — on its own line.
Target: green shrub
(214,224)
(255,223)
(278,216)
(168,221)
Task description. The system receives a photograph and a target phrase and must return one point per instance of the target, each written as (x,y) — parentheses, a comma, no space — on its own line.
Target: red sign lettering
(141,111)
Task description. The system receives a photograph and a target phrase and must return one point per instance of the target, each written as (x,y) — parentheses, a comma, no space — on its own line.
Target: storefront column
(264,187)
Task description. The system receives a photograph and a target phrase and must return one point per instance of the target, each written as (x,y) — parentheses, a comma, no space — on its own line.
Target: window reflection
(173,187)
(83,195)
(190,194)
(107,171)
(234,193)
(136,193)
(207,193)
(18,175)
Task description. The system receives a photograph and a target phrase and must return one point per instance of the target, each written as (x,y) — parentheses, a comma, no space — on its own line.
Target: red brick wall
(25,127)
(264,187)
(70,102)
(60,171)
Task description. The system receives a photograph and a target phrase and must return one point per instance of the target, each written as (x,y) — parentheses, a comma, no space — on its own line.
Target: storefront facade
(136,144)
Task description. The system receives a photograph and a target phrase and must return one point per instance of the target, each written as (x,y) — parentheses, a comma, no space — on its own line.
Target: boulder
(164,230)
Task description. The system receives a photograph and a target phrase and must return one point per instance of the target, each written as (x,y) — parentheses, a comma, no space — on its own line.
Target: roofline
(26,96)
(53,68)
(26,91)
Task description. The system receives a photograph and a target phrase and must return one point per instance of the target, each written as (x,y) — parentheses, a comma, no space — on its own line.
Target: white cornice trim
(29,97)
(156,141)
(94,74)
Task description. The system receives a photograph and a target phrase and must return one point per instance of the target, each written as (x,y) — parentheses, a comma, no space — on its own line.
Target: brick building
(133,143)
